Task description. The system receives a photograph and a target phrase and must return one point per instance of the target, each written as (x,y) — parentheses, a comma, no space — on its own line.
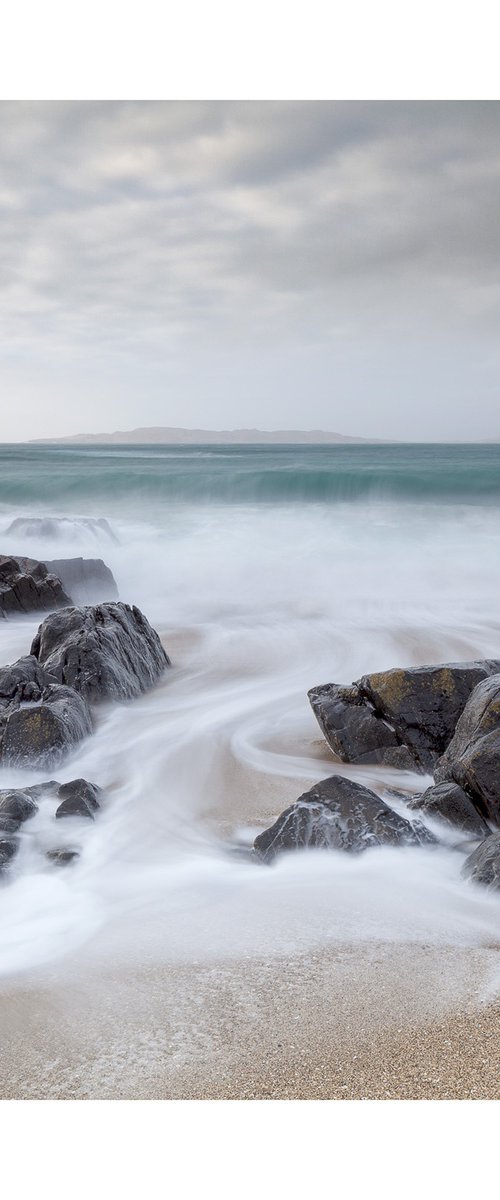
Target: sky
(304,265)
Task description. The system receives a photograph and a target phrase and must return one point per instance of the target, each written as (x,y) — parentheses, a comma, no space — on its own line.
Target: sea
(266,570)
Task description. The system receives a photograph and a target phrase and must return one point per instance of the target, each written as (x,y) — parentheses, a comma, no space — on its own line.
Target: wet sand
(365,1022)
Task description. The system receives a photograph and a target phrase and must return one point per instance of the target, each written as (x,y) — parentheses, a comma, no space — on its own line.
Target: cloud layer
(320,264)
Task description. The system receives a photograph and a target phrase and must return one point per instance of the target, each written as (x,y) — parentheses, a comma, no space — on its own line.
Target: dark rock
(483,865)
(423,704)
(472,758)
(61,527)
(32,589)
(402,718)
(80,789)
(87,580)
(62,857)
(16,806)
(108,651)
(40,720)
(353,731)
(76,807)
(8,848)
(448,802)
(338,814)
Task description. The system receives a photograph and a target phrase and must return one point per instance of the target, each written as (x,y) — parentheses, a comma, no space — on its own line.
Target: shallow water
(266,571)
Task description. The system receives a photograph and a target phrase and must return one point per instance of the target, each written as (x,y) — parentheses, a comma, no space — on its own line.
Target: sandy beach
(370,1022)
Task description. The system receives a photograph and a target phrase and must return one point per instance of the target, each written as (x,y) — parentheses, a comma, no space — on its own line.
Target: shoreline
(378,1021)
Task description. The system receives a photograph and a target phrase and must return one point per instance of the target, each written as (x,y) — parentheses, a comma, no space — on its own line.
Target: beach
(166,961)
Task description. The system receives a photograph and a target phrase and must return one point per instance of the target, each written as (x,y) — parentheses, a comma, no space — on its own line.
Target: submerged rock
(62,857)
(403,717)
(483,865)
(338,814)
(61,527)
(40,720)
(448,802)
(472,758)
(29,588)
(106,651)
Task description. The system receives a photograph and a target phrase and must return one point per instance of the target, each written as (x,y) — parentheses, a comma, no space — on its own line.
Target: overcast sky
(281,265)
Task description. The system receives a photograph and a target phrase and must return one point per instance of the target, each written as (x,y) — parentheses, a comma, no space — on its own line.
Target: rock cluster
(17,805)
(29,588)
(442,719)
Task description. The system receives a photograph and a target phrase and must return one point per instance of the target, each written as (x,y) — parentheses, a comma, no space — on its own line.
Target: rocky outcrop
(8,848)
(61,857)
(472,758)
(338,814)
(402,717)
(61,527)
(76,798)
(40,720)
(28,586)
(108,651)
(448,802)
(483,865)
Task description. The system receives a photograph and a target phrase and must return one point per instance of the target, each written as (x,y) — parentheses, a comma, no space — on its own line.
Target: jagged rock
(78,798)
(338,814)
(402,717)
(106,651)
(448,802)
(61,527)
(31,588)
(483,865)
(61,857)
(8,848)
(353,731)
(472,758)
(40,720)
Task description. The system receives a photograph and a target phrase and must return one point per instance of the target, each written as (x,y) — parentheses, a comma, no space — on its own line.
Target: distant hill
(160,435)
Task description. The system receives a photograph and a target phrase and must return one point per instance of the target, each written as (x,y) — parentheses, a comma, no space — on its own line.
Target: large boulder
(404,717)
(483,865)
(472,758)
(106,651)
(40,720)
(448,802)
(338,814)
(29,588)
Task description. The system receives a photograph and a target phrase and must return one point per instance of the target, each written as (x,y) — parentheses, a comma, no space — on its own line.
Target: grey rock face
(29,589)
(402,717)
(39,719)
(108,651)
(61,857)
(483,865)
(341,815)
(472,758)
(448,802)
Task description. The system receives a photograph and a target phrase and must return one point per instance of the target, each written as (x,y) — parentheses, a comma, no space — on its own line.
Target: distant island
(166,436)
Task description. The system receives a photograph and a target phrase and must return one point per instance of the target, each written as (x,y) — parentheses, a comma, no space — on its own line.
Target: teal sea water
(267,570)
(62,476)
